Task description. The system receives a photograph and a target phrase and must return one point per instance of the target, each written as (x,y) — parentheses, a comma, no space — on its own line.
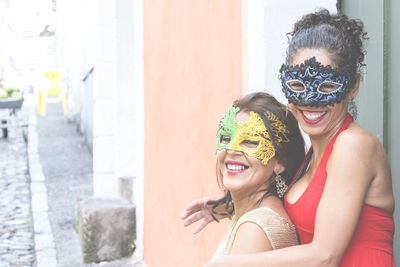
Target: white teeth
(235,167)
(313,115)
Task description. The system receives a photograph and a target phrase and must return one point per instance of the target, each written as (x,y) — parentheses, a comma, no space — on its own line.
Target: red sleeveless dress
(372,242)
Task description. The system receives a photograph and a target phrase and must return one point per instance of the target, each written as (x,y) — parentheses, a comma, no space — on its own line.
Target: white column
(104,97)
(126,133)
(139,112)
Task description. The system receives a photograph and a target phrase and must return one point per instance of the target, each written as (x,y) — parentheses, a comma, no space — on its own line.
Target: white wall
(126,120)
(139,124)
(129,137)
(87,40)
(105,104)
(76,57)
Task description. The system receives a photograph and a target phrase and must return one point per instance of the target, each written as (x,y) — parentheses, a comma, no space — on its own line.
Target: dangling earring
(352,109)
(281,186)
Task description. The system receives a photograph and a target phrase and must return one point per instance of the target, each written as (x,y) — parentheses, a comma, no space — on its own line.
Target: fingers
(193,207)
(200,226)
(196,206)
(194,218)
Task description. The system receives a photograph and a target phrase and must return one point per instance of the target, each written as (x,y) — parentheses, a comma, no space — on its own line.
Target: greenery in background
(10,93)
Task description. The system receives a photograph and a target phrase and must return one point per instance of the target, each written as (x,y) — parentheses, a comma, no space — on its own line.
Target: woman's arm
(351,169)
(350,172)
(279,257)
(250,238)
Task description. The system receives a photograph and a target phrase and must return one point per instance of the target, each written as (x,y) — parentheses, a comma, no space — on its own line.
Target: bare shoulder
(250,238)
(360,154)
(356,136)
(353,155)
(356,143)
(256,230)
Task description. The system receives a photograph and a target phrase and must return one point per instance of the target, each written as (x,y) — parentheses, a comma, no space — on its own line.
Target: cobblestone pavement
(16,231)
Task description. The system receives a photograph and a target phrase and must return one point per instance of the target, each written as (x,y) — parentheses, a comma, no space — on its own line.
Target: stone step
(106,228)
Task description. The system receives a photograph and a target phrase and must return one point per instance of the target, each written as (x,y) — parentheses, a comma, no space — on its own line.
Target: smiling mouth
(235,167)
(313,117)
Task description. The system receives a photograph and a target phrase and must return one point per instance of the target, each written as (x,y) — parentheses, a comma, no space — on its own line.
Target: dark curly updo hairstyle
(290,153)
(339,35)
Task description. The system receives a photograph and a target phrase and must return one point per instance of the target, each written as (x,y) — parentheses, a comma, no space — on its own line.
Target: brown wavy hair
(290,154)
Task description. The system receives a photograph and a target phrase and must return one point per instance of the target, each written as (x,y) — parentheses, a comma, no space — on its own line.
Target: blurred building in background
(5,33)
(100,49)
(28,47)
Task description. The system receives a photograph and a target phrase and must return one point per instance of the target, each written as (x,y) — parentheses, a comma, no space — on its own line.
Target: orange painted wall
(192,72)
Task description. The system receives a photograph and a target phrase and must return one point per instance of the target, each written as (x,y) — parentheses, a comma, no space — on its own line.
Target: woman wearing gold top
(254,167)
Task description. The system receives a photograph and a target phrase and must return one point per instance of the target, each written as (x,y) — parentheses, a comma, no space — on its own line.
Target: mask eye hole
(225,139)
(250,145)
(329,87)
(296,86)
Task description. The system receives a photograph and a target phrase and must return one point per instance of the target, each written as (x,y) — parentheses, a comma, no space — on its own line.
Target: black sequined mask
(312,84)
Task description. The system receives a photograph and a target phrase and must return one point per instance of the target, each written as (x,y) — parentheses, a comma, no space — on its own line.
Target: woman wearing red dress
(341,200)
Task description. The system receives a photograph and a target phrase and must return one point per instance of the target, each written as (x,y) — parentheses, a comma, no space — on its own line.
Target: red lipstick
(313,121)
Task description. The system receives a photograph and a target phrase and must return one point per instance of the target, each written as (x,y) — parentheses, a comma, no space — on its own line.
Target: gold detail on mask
(254,130)
(278,127)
